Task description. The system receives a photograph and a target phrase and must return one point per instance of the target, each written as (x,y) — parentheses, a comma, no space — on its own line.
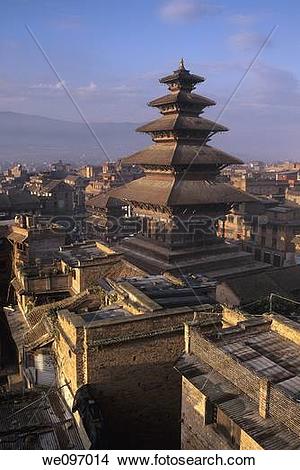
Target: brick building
(253,290)
(5,261)
(120,341)
(44,275)
(126,352)
(240,386)
(266,229)
(266,185)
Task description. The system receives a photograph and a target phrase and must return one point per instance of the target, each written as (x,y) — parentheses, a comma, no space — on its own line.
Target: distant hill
(31,138)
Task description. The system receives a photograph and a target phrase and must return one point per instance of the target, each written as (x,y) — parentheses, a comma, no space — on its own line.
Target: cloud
(246,40)
(271,87)
(49,86)
(187,10)
(90,88)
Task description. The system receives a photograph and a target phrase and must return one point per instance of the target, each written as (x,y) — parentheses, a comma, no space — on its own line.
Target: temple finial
(181,64)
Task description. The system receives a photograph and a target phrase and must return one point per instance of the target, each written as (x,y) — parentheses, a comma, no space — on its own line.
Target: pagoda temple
(180,198)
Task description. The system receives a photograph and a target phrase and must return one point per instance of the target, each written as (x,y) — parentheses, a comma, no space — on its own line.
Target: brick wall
(194,435)
(284,409)
(286,328)
(130,366)
(247,443)
(233,371)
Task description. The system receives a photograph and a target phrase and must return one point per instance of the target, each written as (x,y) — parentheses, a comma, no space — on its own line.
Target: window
(255,223)
(274,243)
(263,241)
(277,261)
(257,254)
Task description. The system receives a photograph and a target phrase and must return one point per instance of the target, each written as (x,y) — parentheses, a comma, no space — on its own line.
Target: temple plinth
(180,198)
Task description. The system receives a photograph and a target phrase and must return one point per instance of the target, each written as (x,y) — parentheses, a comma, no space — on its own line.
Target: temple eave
(172,191)
(182,98)
(183,75)
(176,153)
(179,122)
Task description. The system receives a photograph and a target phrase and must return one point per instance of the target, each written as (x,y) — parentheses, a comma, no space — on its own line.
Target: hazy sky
(111,53)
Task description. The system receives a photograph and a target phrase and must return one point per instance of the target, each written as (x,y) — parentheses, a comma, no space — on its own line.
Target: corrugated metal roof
(37,421)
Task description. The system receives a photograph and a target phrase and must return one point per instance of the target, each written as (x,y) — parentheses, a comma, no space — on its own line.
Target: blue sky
(111,54)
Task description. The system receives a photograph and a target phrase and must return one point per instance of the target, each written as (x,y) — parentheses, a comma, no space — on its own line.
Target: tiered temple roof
(181,182)
(181,168)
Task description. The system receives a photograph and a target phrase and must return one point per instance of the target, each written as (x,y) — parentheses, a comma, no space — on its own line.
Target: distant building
(252,291)
(293,194)
(94,188)
(265,229)
(109,219)
(17,171)
(263,185)
(5,262)
(18,202)
(90,171)
(60,169)
(56,197)
(79,184)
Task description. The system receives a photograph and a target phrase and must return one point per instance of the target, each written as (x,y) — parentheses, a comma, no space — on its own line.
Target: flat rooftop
(85,253)
(268,432)
(112,312)
(157,292)
(270,355)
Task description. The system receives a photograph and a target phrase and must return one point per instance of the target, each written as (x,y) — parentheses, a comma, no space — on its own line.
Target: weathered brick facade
(129,365)
(240,387)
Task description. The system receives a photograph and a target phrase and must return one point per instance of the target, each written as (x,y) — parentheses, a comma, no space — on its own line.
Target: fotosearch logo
(203,224)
